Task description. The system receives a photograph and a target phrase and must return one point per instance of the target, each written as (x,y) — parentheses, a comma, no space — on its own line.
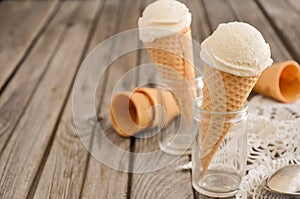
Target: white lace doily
(273,142)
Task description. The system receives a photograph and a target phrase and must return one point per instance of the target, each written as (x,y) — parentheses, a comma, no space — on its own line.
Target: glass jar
(219,150)
(176,136)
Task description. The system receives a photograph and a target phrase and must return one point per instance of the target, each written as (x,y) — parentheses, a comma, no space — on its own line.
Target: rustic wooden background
(42,44)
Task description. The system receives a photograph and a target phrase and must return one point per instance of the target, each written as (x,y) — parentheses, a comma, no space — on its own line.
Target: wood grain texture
(21,22)
(66,163)
(158,176)
(250,13)
(294,4)
(218,11)
(200,26)
(284,19)
(102,181)
(164,183)
(21,159)
(19,91)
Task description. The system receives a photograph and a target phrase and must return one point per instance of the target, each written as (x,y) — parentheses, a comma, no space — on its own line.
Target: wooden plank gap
(130,166)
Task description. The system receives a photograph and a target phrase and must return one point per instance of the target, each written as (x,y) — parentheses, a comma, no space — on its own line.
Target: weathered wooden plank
(164,183)
(218,11)
(249,12)
(21,23)
(64,170)
(294,4)
(283,19)
(18,93)
(23,155)
(102,181)
(200,27)
(158,175)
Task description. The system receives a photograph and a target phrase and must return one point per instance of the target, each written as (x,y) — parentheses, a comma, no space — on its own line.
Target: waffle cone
(133,112)
(222,92)
(167,102)
(129,113)
(173,56)
(281,81)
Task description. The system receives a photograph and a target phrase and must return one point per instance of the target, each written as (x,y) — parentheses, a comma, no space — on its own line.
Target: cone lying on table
(133,112)
(222,92)
(281,81)
(174,58)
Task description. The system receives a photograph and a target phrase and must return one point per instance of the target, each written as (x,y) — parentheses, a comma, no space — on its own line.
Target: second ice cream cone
(281,81)
(169,42)
(173,55)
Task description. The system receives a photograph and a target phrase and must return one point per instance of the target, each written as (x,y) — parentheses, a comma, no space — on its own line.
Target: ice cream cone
(281,81)
(133,112)
(223,92)
(174,58)
(173,55)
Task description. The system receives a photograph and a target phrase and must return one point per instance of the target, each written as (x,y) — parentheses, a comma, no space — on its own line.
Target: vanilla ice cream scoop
(163,18)
(237,48)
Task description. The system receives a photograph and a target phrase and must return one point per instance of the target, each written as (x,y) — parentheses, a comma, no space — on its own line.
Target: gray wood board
(21,24)
(250,13)
(18,93)
(64,170)
(284,19)
(23,156)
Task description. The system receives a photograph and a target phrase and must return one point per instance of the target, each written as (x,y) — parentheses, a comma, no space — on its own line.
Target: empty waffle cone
(222,92)
(174,58)
(133,112)
(170,108)
(129,113)
(281,81)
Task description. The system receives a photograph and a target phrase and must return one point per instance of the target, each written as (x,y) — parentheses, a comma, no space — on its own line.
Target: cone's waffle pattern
(222,92)
(173,55)
(174,58)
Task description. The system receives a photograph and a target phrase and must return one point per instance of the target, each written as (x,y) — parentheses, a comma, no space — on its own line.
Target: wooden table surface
(42,44)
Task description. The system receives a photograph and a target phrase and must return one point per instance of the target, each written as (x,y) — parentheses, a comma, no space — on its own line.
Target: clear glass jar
(219,155)
(176,136)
